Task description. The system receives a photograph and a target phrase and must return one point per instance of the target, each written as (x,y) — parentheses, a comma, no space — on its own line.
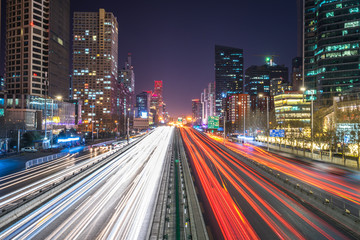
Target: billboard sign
(277,133)
(213,122)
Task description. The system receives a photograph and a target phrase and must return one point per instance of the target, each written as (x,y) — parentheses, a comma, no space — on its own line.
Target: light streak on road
(114,202)
(240,198)
(336,185)
(44,170)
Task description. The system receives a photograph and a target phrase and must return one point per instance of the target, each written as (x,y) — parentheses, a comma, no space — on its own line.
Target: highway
(18,185)
(114,202)
(240,203)
(317,174)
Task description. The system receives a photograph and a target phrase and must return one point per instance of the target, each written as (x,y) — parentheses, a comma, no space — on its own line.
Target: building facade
(229,73)
(296,73)
(258,78)
(95,68)
(196,111)
(332,48)
(208,102)
(32,48)
(127,79)
(292,110)
(238,106)
(143,104)
(59,49)
(58,114)
(157,102)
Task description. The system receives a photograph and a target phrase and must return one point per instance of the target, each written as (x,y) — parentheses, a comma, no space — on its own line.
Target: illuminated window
(354,10)
(329,14)
(352,24)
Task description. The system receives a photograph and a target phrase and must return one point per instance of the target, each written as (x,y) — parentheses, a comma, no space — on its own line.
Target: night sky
(174,41)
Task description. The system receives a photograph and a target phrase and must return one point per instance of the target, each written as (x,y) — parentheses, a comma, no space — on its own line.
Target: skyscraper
(208,102)
(95,67)
(238,112)
(127,75)
(296,73)
(332,48)
(300,26)
(127,79)
(31,49)
(196,111)
(228,73)
(143,104)
(59,49)
(258,78)
(157,102)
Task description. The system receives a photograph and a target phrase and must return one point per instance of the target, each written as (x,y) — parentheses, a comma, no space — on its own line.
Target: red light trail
(227,181)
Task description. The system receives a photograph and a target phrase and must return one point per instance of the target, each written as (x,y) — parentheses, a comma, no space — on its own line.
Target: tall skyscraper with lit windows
(229,73)
(37,48)
(95,68)
(332,48)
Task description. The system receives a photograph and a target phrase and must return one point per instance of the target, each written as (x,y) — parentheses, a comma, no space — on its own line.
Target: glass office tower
(331,48)
(229,73)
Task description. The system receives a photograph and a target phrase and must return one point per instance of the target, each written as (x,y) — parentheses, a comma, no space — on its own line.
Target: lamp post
(92,123)
(267,119)
(243,106)
(224,126)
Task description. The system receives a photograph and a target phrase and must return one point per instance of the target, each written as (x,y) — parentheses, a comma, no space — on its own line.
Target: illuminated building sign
(144,115)
(65,140)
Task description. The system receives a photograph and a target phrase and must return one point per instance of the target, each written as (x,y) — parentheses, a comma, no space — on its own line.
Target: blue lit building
(332,48)
(229,73)
(143,104)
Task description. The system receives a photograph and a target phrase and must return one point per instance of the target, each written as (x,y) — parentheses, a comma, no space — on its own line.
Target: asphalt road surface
(241,204)
(114,202)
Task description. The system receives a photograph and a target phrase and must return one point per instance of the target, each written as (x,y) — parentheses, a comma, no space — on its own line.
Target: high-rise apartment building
(196,111)
(208,102)
(36,38)
(95,67)
(332,48)
(228,73)
(238,106)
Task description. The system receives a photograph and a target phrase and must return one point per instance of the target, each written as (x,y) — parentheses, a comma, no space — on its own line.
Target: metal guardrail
(38,161)
(41,160)
(345,206)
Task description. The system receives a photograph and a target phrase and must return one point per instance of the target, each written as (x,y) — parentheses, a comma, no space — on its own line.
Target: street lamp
(223,111)
(303,89)
(243,106)
(267,118)
(59,98)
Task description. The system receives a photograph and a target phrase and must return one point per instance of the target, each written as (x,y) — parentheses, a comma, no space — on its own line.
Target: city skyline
(150,59)
(141,32)
(180,119)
